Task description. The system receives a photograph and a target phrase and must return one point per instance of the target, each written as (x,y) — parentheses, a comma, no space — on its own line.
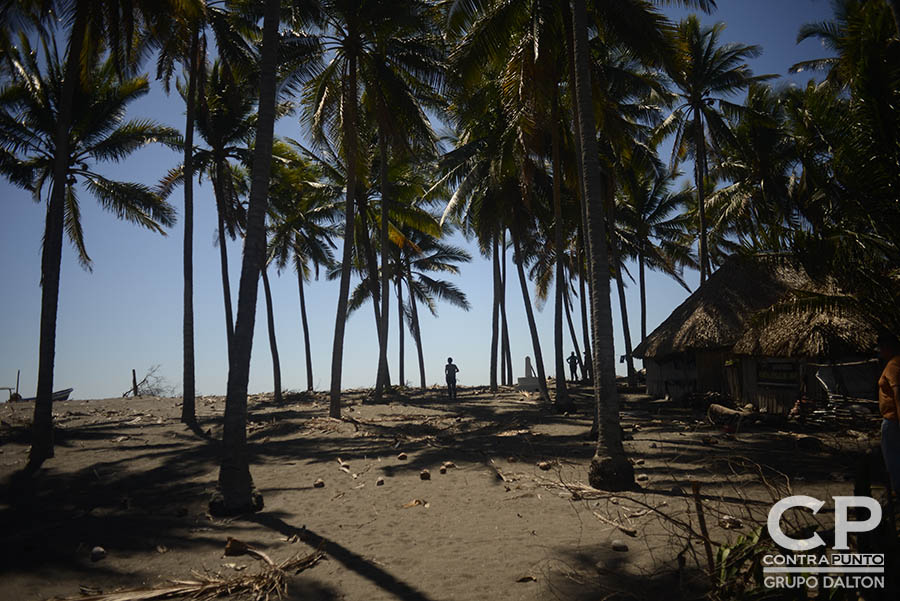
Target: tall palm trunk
(583,301)
(581,193)
(219,191)
(610,468)
(400,341)
(643,286)
(507,352)
(563,402)
(305,323)
(495,313)
(381,381)
(188,411)
(417,330)
(273,344)
(699,181)
(615,260)
(51,254)
(374,287)
(348,109)
(236,493)
(532,326)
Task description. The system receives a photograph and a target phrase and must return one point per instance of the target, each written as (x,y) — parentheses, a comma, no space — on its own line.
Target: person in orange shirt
(889,405)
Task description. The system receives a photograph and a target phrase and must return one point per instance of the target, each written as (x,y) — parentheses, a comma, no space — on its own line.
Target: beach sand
(509,520)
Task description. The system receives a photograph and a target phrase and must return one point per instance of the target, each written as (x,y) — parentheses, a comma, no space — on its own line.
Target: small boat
(59,395)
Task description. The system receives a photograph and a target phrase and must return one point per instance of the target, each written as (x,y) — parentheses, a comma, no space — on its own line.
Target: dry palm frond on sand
(268,583)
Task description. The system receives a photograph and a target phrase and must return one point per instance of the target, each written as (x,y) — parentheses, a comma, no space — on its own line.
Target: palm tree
(300,231)
(31,116)
(235,492)
(113,27)
(703,71)
(610,468)
(651,218)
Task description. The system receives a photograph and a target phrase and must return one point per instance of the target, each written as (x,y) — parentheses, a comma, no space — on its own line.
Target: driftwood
(268,583)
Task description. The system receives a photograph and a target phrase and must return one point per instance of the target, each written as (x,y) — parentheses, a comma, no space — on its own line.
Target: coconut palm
(120,29)
(703,72)
(300,227)
(235,492)
(31,114)
(651,218)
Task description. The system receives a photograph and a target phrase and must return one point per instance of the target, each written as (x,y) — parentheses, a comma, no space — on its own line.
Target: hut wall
(710,371)
(776,383)
(675,376)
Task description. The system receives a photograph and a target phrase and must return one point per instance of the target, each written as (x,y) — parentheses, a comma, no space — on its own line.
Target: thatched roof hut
(808,334)
(718,313)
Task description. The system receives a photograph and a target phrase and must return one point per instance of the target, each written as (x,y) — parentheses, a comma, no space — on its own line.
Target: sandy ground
(511,520)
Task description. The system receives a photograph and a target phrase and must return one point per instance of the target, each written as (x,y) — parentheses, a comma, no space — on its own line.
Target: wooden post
(702,520)
(134,387)
(18,373)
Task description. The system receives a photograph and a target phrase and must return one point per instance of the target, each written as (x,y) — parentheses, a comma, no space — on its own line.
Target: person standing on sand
(889,405)
(572,360)
(450,371)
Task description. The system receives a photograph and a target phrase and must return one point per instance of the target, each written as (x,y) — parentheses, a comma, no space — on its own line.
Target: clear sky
(127,313)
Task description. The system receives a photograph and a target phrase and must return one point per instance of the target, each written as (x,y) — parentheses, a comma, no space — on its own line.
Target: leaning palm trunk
(417,332)
(495,313)
(620,284)
(585,322)
(51,255)
(563,402)
(188,411)
(381,381)
(305,323)
(219,191)
(610,468)
(273,344)
(236,493)
(532,326)
(348,109)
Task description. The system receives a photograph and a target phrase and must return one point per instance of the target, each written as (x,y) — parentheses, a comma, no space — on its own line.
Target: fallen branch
(268,583)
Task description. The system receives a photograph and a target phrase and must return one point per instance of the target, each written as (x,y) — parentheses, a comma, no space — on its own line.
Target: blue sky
(127,312)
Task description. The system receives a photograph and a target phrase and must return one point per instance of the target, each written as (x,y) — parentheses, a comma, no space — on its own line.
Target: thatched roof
(717,314)
(808,334)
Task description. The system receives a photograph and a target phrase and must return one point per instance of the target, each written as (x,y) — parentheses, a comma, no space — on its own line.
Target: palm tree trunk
(374,286)
(236,493)
(532,326)
(495,313)
(417,330)
(223,254)
(643,286)
(51,254)
(400,341)
(583,300)
(563,402)
(381,381)
(273,344)
(699,182)
(337,352)
(507,352)
(305,324)
(610,468)
(188,412)
(615,259)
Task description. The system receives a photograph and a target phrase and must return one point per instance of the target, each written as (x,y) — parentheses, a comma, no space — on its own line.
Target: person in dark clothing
(572,360)
(450,371)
